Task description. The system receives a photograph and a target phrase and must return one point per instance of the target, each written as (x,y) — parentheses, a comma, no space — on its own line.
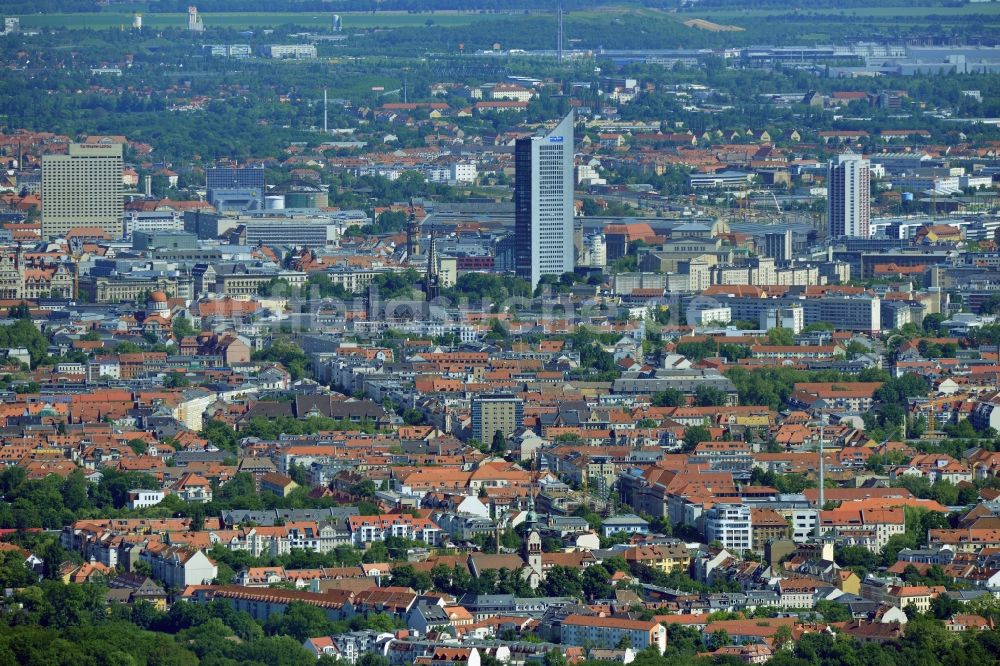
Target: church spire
(412,235)
(432,281)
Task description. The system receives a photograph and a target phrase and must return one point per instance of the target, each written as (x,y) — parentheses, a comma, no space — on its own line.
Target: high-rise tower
(543,203)
(83,189)
(848,196)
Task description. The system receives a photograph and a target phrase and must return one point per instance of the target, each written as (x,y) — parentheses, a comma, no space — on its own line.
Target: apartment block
(611,632)
(496,413)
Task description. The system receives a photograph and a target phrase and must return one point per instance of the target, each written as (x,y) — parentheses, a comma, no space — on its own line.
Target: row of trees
(54,501)
(70,624)
(53,623)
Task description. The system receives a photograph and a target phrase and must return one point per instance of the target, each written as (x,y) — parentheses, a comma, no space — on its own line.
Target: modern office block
(235,188)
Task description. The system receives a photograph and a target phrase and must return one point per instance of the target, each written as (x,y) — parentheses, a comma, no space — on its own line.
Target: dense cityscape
(500,334)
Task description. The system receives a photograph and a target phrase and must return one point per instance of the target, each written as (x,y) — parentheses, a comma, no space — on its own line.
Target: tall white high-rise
(83,189)
(543,203)
(848,196)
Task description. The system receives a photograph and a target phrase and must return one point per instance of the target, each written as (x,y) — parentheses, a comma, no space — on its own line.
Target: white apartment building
(710,315)
(179,566)
(511,92)
(730,525)
(463,172)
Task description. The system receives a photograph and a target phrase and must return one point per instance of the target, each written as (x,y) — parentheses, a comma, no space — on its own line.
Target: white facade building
(710,315)
(152,221)
(463,172)
(793,318)
(298,51)
(140,499)
(730,525)
(597,250)
(849,200)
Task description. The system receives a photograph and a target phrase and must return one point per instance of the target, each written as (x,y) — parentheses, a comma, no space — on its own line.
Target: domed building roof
(157,304)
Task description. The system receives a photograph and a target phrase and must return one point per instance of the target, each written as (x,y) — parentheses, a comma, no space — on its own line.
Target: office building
(730,525)
(725,180)
(144,241)
(235,188)
(83,189)
(543,203)
(152,221)
(247,177)
(491,413)
(848,196)
(778,246)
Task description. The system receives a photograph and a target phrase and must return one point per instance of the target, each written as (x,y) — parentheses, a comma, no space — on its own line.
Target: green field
(987,8)
(351,21)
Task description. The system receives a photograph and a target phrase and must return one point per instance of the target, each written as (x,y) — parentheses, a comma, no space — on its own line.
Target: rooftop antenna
(559,36)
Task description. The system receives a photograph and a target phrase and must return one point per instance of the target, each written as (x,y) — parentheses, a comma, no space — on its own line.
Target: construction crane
(776,204)
(742,204)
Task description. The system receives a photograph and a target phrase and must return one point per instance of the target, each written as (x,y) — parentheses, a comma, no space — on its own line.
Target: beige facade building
(18,279)
(116,290)
(83,189)
(491,413)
